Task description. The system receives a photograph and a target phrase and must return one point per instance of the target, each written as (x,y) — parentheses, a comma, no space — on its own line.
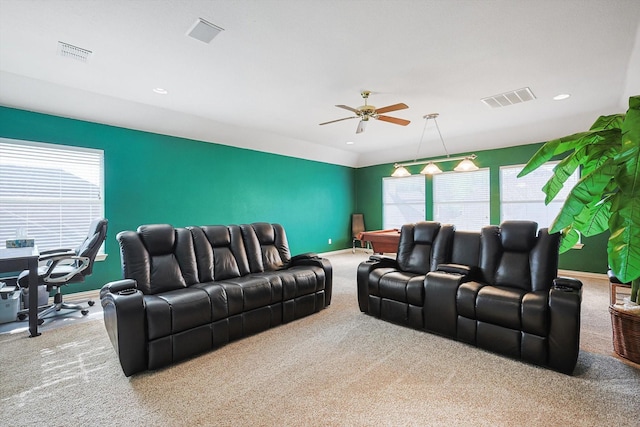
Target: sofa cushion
(297,281)
(500,306)
(402,286)
(176,311)
(257,291)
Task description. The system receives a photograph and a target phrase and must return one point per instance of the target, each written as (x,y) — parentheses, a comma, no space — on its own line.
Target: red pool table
(382,240)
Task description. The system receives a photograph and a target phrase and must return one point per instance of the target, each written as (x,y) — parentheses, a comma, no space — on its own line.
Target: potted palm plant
(606,198)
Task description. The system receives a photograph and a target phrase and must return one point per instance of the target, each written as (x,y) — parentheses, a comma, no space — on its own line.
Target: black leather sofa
(496,289)
(188,290)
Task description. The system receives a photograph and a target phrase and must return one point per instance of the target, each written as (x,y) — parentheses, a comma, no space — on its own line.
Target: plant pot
(626,334)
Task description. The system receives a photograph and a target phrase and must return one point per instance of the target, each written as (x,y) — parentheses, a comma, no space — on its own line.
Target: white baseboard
(584,274)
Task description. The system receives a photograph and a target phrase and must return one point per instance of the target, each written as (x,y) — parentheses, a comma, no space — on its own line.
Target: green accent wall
(152,178)
(368,181)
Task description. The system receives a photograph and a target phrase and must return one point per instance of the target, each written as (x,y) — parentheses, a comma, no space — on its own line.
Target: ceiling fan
(366,112)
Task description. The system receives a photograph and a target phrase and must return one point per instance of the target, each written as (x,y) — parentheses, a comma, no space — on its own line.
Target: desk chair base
(57,305)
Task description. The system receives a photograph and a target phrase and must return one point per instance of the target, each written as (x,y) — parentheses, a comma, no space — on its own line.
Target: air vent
(509,98)
(70,51)
(204,31)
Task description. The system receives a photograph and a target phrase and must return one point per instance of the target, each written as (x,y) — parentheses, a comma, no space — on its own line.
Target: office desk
(382,240)
(19,259)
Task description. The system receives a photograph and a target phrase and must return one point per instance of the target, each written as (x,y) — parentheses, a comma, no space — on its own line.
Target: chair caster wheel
(84,312)
(91,303)
(40,321)
(22,316)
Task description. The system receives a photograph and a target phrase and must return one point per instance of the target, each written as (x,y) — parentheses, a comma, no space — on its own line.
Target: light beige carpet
(338,367)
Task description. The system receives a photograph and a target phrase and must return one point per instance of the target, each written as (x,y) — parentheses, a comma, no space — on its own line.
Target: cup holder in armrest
(129,291)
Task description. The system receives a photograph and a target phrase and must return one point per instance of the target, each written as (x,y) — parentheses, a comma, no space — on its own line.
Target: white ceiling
(281,66)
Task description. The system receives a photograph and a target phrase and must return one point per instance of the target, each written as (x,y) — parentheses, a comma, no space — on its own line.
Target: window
(462,199)
(523,198)
(403,201)
(48,192)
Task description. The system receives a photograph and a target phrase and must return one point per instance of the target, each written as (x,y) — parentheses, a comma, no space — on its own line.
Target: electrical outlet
(329,241)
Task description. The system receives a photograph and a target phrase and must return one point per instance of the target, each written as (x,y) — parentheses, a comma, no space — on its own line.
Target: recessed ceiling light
(561,97)
(350,142)
(160,91)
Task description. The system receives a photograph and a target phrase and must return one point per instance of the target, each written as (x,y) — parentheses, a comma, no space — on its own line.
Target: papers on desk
(17,252)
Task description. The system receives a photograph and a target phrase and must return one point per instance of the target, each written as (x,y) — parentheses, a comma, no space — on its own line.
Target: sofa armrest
(567,283)
(383,261)
(315,260)
(362,277)
(118,286)
(124,318)
(305,256)
(565,299)
(464,270)
(440,312)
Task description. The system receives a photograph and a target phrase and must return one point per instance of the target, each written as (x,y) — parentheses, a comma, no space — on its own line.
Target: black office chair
(59,267)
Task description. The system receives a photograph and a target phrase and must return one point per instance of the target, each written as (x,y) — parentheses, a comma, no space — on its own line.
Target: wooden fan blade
(394,120)
(393,107)
(348,108)
(339,120)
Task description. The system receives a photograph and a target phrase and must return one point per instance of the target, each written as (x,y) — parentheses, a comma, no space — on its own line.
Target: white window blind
(403,201)
(523,198)
(48,192)
(462,199)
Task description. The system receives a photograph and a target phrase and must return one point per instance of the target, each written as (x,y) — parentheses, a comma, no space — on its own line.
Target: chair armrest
(55,255)
(567,283)
(55,251)
(79,264)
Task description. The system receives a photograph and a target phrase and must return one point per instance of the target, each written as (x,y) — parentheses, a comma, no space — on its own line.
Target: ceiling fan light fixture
(400,172)
(431,169)
(361,126)
(466,165)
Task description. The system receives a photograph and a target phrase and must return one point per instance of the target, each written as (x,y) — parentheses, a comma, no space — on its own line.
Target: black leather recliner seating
(496,289)
(188,290)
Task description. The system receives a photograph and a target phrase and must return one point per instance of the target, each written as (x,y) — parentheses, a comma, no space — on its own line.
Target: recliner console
(189,290)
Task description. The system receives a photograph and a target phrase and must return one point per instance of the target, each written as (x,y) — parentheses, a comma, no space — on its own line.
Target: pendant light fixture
(431,168)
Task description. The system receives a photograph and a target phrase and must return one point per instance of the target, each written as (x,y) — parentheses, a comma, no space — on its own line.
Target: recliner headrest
(518,236)
(265,233)
(159,239)
(425,231)
(218,235)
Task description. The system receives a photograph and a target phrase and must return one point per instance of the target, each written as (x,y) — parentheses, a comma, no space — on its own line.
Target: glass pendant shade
(431,169)
(465,166)
(400,172)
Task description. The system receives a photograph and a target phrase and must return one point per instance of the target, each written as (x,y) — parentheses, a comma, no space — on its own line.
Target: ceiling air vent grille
(204,31)
(70,51)
(509,98)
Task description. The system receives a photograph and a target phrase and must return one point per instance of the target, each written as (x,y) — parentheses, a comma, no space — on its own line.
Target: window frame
(558,200)
(78,185)
(420,201)
(486,204)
